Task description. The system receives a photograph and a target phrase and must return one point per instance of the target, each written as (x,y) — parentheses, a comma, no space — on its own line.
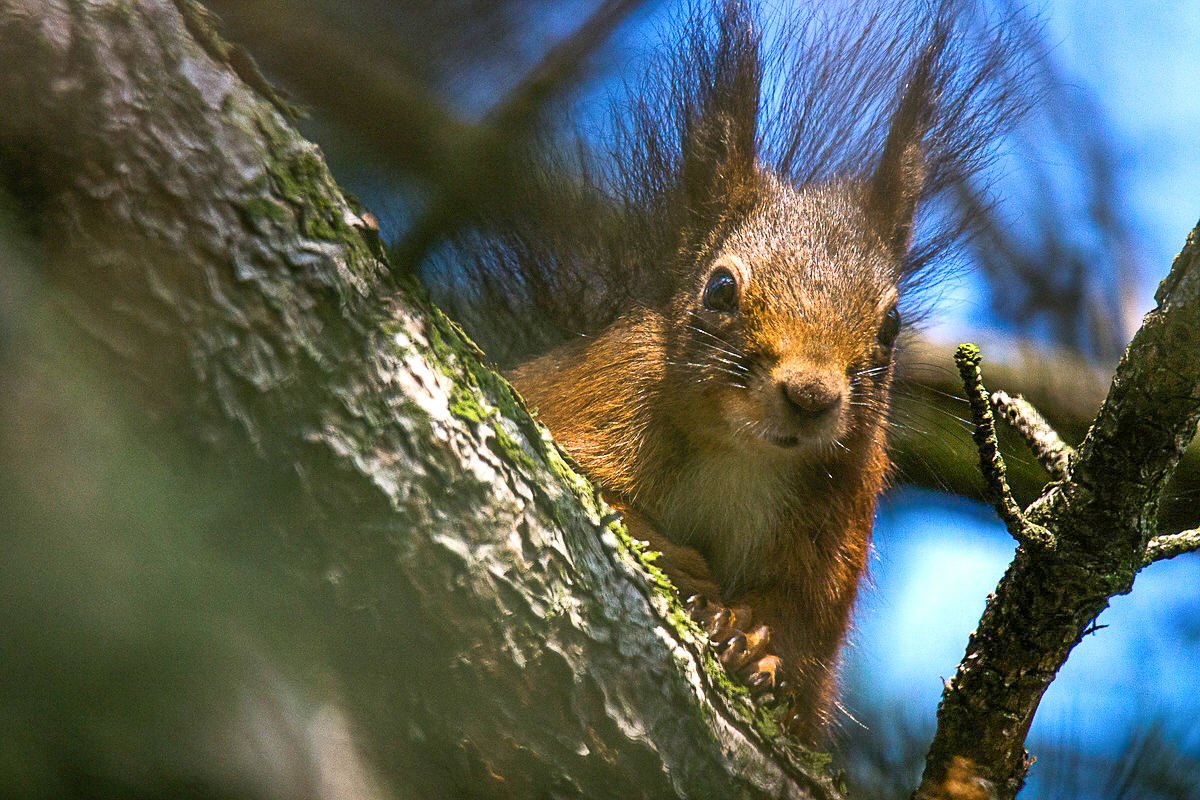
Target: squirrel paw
(740,647)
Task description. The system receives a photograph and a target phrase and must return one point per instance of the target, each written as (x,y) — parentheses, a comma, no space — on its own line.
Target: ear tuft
(895,189)
(895,193)
(718,162)
(720,119)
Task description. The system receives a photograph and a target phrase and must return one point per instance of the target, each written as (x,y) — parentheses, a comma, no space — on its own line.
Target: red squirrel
(737,289)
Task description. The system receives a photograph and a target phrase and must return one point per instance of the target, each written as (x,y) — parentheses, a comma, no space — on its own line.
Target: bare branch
(991,462)
(1170,545)
(931,442)
(506,129)
(1050,450)
(1100,519)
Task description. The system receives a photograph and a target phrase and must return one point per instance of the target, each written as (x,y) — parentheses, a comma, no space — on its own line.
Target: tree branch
(991,463)
(931,442)
(467,167)
(1044,442)
(1102,520)
(1170,545)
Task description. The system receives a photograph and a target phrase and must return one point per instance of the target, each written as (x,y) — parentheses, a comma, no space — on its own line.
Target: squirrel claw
(711,618)
(735,655)
(763,674)
(714,620)
(741,617)
(741,649)
(757,641)
(719,627)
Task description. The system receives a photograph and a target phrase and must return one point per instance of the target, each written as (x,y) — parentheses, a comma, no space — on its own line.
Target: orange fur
(753,501)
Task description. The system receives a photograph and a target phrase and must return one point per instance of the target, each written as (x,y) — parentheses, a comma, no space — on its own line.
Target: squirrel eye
(890,329)
(721,292)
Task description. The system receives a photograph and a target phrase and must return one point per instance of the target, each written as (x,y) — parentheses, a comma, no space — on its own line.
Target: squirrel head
(783,333)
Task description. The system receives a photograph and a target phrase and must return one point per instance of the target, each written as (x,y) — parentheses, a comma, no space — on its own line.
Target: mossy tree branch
(931,444)
(447,588)
(1102,518)
(1171,545)
(991,463)
(1044,442)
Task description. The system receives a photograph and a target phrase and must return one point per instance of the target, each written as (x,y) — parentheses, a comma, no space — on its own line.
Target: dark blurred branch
(467,167)
(559,70)
(501,160)
(388,108)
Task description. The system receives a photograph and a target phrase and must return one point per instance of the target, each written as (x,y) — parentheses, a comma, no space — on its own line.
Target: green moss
(464,406)
(297,190)
(511,450)
(641,552)
(261,207)
(453,350)
(300,177)
(121,12)
(202,25)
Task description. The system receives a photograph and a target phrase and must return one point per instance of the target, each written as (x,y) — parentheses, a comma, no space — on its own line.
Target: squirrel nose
(810,397)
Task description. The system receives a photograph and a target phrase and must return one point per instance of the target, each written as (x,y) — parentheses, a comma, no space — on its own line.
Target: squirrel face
(789,326)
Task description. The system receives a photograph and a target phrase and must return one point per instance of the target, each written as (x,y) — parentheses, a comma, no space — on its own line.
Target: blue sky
(1142,63)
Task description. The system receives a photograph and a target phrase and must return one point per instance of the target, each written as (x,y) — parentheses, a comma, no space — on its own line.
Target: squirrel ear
(895,189)
(720,121)
(718,162)
(894,193)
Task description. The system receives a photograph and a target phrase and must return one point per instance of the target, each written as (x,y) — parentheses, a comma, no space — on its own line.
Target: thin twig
(1170,545)
(991,463)
(1044,442)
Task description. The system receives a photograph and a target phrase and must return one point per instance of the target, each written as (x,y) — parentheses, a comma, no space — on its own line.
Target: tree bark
(469,616)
